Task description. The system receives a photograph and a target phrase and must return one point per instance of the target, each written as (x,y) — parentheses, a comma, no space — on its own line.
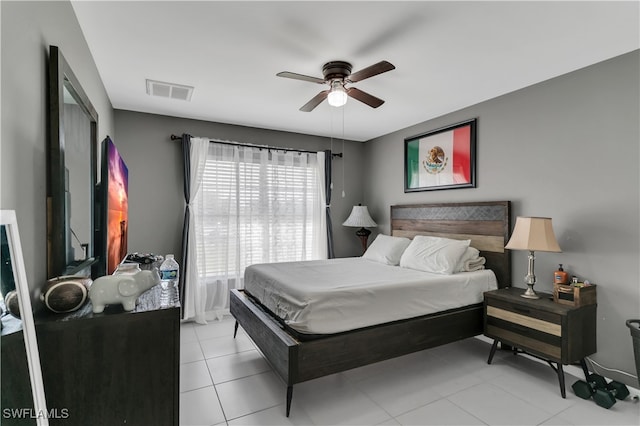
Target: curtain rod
(176,138)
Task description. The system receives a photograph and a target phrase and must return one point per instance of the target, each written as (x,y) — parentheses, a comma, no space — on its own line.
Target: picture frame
(444,158)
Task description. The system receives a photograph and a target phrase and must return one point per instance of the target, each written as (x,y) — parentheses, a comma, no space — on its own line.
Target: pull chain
(331,149)
(343,155)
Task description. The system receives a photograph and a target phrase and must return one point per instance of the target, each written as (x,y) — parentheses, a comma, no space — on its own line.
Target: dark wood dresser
(113,368)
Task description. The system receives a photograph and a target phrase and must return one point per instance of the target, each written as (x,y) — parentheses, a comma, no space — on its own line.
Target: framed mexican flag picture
(441,159)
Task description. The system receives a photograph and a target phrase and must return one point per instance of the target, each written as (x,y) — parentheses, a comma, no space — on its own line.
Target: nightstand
(553,332)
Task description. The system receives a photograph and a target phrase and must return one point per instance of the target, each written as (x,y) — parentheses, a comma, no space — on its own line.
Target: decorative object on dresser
(532,234)
(360,218)
(556,333)
(121,289)
(441,159)
(298,358)
(65,294)
(12,303)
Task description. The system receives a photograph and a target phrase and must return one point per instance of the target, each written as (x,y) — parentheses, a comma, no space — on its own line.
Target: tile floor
(226,381)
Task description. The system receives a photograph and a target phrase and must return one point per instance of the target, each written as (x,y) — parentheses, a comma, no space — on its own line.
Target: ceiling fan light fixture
(337,96)
(336,74)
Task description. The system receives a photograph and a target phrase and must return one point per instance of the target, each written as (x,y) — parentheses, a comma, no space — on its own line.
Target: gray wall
(156,201)
(567,148)
(28,28)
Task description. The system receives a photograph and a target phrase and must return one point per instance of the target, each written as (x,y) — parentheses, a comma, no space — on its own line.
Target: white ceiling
(448,55)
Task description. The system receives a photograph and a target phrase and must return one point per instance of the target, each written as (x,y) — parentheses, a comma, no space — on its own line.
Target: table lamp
(532,234)
(359,218)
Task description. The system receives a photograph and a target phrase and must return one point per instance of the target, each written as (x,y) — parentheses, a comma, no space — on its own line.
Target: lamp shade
(533,234)
(360,218)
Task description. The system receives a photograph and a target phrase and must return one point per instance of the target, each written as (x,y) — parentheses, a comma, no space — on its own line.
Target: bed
(298,357)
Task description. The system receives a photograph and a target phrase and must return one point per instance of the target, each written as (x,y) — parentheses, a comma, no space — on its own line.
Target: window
(257,206)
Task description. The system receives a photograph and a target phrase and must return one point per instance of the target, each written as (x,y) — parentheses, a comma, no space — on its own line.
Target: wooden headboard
(487,224)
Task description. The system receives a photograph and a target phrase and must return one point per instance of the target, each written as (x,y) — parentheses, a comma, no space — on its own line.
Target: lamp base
(529,293)
(530,279)
(363,234)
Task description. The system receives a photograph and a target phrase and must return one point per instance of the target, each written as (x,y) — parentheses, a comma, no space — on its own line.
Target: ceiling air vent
(169,90)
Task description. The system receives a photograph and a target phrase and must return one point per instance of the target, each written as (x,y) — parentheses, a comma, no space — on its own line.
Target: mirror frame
(57,225)
(8,219)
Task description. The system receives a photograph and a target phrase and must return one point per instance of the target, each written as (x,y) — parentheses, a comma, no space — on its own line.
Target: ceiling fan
(336,75)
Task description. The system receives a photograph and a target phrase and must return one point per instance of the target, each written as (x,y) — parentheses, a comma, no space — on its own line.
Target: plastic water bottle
(169,274)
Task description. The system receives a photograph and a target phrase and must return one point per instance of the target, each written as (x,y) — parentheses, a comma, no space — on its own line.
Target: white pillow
(386,249)
(434,254)
(469,254)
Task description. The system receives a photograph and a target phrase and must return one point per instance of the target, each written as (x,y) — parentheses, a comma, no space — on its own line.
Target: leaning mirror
(17,316)
(72,172)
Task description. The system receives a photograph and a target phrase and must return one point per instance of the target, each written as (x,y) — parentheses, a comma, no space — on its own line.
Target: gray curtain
(186,143)
(328,158)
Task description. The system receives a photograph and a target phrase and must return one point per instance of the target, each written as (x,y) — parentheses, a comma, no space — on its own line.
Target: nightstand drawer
(526,310)
(543,348)
(522,317)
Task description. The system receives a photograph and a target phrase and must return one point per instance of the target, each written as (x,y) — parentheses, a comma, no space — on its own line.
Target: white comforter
(331,296)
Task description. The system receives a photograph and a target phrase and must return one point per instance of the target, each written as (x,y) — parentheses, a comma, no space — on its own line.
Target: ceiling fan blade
(315,101)
(375,69)
(302,77)
(364,97)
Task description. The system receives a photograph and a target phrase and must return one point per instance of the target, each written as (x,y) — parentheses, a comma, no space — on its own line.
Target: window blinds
(257,206)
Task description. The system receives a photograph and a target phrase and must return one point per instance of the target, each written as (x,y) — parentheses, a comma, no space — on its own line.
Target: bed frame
(486,224)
